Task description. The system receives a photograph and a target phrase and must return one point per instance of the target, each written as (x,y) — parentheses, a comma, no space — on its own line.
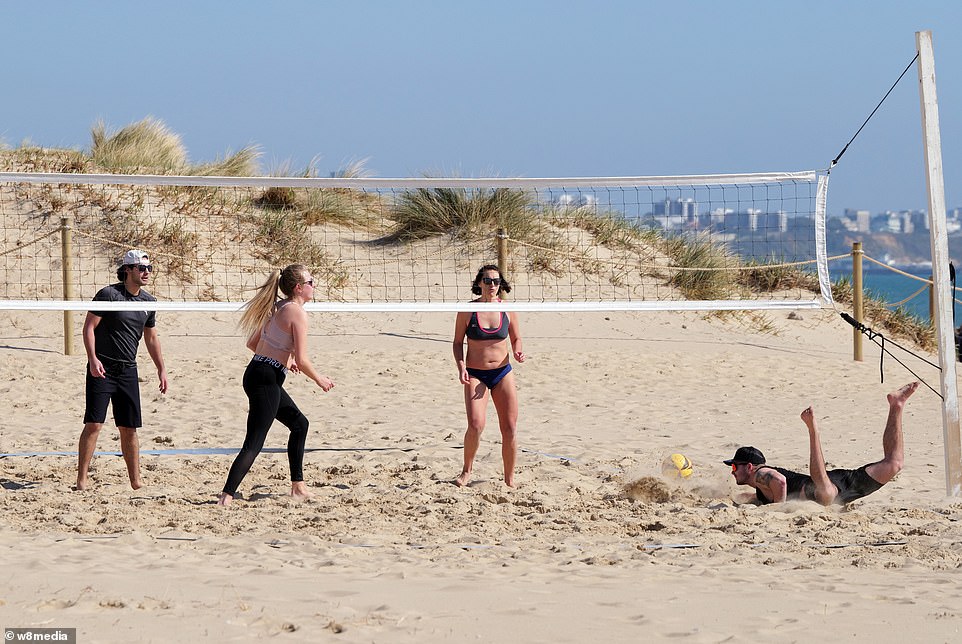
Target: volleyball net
(722,242)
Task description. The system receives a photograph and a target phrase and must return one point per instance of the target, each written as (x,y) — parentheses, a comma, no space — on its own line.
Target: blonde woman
(487,370)
(277,334)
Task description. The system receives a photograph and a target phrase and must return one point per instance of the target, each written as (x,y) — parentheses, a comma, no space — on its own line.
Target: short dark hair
(122,271)
(476,284)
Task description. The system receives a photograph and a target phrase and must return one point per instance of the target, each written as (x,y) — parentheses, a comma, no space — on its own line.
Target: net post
(66,260)
(502,251)
(944,332)
(858,307)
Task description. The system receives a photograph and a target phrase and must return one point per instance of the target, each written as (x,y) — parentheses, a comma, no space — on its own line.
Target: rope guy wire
(873,335)
(907,68)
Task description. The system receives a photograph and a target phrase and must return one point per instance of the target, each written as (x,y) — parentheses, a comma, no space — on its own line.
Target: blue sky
(520,88)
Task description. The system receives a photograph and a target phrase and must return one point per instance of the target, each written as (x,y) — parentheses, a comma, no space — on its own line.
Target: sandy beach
(389,550)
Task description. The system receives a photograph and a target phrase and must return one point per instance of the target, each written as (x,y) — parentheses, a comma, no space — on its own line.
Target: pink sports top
(274,336)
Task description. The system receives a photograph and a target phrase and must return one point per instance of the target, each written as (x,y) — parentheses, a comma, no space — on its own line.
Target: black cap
(746,455)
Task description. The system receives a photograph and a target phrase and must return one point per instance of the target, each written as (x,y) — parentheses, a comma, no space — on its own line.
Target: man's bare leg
(825,490)
(892,445)
(86,449)
(130,448)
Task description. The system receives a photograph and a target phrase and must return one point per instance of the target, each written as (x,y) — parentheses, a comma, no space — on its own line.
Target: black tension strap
(874,337)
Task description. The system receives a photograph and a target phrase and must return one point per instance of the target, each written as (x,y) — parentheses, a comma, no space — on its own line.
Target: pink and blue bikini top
(477,332)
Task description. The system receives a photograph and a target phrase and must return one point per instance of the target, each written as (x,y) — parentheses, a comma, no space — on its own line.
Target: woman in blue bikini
(487,369)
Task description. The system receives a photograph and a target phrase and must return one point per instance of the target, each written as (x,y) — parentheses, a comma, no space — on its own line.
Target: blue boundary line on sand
(205,451)
(210,451)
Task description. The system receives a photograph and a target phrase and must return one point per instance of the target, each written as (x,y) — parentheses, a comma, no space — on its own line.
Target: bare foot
(82,484)
(898,397)
(136,484)
(224,499)
(463,479)
(509,483)
(299,491)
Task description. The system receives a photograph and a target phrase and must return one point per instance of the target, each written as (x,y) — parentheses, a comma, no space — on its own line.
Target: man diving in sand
(840,486)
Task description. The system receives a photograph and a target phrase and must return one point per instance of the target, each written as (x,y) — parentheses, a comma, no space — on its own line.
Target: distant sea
(892,287)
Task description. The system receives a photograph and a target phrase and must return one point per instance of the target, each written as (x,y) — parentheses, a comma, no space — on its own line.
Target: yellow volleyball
(677,466)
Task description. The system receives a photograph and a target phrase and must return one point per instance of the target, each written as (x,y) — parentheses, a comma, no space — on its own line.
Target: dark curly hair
(476,285)
(122,271)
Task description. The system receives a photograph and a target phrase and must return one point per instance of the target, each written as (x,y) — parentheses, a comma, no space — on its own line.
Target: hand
(162,374)
(808,416)
(293,368)
(519,356)
(97,369)
(325,383)
(464,376)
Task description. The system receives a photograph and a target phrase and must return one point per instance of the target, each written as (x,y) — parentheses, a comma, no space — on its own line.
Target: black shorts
(852,484)
(122,389)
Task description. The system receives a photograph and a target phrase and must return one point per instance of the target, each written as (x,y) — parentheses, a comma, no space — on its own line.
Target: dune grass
(899,322)
(282,237)
(318,206)
(470,215)
(242,163)
(609,229)
(145,147)
(462,213)
(150,147)
(705,267)
(30,158)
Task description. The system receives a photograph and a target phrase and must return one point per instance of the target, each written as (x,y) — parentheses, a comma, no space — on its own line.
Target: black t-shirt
(118,333)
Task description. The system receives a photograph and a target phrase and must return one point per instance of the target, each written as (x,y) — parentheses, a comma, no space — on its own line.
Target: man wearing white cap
(111,339)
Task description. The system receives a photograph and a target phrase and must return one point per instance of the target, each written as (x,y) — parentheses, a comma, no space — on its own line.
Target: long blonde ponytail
(260,308)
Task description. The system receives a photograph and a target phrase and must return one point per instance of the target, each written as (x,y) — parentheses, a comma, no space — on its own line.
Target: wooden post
(944,331)
(503,251)
(858,306)
(932,301)
(66,261)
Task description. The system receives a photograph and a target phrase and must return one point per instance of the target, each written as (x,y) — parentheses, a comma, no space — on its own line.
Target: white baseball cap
(135,257)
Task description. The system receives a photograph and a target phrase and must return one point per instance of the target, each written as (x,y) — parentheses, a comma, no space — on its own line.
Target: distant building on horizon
(862,219)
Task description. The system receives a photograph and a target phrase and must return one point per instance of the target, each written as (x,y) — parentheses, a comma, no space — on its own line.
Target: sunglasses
(144,268)
(309,282)
(495,281)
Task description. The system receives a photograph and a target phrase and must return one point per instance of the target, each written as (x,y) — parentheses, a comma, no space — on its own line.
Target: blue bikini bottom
(490,377)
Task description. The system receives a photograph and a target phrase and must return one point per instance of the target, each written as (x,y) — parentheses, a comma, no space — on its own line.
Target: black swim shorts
(852,484)
(122,389)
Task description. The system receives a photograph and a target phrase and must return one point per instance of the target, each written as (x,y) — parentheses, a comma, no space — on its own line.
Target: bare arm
(514,333)
(253,340)
(460,328)
(152,342)
(772,484)
(299,331)
(90,346)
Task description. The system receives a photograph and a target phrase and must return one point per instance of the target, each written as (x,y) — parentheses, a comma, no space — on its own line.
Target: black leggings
(263,385)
